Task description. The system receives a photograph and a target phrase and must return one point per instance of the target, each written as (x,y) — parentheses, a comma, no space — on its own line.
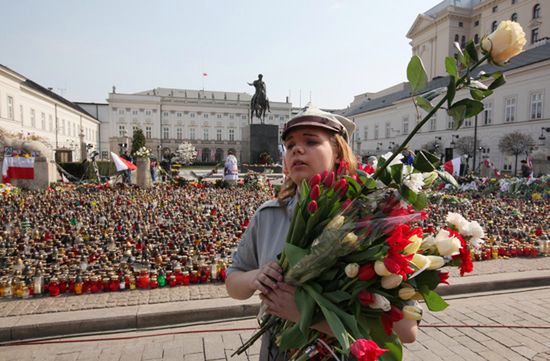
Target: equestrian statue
(259,103)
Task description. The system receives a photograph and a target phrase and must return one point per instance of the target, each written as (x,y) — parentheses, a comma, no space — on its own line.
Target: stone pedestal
(143,173)
(45,173)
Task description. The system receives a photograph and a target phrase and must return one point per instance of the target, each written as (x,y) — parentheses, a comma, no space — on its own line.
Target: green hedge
(76,169)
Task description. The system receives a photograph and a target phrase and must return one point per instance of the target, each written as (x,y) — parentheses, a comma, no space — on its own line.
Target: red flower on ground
(366,350)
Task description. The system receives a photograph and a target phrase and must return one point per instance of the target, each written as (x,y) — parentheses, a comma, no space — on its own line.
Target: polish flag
(452,166)
(121,163)
(17,168)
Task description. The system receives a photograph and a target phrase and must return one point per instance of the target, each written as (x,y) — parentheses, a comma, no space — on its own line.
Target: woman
(315,141)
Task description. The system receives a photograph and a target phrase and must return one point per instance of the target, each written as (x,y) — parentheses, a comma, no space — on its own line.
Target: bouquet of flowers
(354,250)
(143,152)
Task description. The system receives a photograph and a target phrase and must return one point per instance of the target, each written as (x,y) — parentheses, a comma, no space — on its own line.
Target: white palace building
(385,118)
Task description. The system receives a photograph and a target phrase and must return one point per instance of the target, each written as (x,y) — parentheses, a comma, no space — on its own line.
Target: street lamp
(542,130)
(122,148)
(159,147)
(392,144)
(379,146)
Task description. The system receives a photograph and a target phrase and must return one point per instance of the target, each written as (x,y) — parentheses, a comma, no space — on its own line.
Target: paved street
(518,329)
(19,307)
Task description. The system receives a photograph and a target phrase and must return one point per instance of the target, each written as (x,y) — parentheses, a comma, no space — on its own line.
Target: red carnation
(366,350)
(443,277)
(366,272)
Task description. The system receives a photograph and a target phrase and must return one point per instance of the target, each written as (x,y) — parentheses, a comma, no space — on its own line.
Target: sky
(326,51)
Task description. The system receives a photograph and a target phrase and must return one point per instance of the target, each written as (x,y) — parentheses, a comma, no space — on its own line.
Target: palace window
(179,133)
(536,11)
(165,133)
(192,133)
(148,132)
(121,131)
(536,105)
(376,131)
(43,120)
(366,133)
(11,114)
(405,125)
(488,113)
(433,124)
(388,129)
(534,35)
(218,134)
(33,120)
(205,134)
(231,134)
(510,110)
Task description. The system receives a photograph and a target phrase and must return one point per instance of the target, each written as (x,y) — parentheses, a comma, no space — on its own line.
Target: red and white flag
(452,166)
(121,163)
(17,168)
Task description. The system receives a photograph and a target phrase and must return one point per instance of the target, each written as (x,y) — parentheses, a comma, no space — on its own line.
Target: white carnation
(458,221)
(414,182)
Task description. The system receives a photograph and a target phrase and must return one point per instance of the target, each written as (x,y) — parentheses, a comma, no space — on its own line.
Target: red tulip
(391,265)
(315,192)
(343,167)
(329,180)
(365,297)
(395,313)
(341,187)
(316,179)
(366,350)
(366,272)
(345,204)
(312,207)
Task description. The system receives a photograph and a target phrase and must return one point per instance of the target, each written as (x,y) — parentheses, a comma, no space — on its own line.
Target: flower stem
(428,116)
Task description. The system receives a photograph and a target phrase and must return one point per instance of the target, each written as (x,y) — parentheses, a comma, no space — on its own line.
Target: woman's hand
(267,277)
(281,302)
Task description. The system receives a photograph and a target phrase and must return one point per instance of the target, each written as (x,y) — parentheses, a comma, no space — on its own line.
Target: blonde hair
(342,148)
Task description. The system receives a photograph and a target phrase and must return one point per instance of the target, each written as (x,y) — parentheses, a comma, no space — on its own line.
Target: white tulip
(380,269)
(391,281)
(436,262)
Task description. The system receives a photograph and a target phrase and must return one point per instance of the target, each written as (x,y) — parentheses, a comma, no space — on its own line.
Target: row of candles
(487,252)
(19,286)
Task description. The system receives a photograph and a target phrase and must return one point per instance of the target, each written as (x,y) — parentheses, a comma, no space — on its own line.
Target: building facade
(213,121)
(385,119)
(28,110)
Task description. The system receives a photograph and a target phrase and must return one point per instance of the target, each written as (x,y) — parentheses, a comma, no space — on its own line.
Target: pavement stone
(437,339)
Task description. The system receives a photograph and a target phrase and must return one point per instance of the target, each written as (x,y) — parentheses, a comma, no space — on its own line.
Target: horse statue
(259,103)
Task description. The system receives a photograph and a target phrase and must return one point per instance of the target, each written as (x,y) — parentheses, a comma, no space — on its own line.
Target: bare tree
(516,143)
(465,146)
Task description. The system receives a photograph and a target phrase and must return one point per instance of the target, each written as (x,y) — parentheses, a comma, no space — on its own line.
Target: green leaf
(463,59)
(328,275)
(294,254)
(472,51)
(337,296)
(499,80)
(450,66)
(422,163)
(430,157)
(370,183)
(369,254)
(428,278)
(421,201)
(447,178)
(292,338)
(457,112)
(306,305)
(451,91)
(480,94)
(299,228)
(423,103)
(473,107)
(416,74)
(397,172)
(391,342)
(433,300)
(385,176)
(408,194)
(337,327)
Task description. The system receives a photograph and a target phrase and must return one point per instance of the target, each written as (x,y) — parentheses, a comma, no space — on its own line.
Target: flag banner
(453,166)
(17,168)
(121,163)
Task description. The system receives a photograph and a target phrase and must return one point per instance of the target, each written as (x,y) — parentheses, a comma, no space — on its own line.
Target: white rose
(414,182)
(505,42)
(457,220)
(447,245)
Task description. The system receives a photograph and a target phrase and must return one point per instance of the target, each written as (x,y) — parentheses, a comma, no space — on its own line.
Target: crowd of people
(98,238)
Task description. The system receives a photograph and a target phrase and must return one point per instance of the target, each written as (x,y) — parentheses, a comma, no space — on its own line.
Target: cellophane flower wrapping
(358,257)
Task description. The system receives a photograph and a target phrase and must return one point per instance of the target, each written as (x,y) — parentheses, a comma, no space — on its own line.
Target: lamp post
(542,130)
(437,147)
(379,145)
(475,142)
(392,144)
(159,147)
(453,137)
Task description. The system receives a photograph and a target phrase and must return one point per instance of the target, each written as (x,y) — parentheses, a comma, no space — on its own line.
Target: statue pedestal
(45,172)
(143,173)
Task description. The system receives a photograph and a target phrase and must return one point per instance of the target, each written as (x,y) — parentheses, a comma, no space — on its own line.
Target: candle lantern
(53,287)
(78,285)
